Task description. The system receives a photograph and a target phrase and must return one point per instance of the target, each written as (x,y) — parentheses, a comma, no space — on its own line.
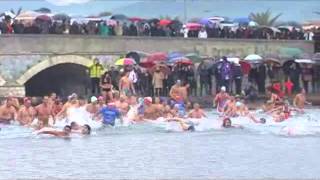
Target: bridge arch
(50,62)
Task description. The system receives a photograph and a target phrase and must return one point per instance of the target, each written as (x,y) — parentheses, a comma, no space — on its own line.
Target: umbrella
(157,57)
(163,68)
(135,19)
(290,52)
(180,60)
(174,55)
(154,21)
(217,18)
(316,57)
(304,61)
(147,64)
(61,17)
(134,55)
(176,25)
(194,26)
(43,18)
(194,57)
(233,59)
(272,61)
(27,15)
(205,21)
(287,64)
(164,22)
(253,58)
(119,17)
(125,61)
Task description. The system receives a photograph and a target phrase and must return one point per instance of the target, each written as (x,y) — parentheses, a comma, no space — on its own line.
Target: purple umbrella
(204,21)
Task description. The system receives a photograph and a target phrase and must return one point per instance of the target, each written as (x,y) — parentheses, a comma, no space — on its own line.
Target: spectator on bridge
(103,29)
(157,82)
(75,28)
(203,34)
(95,72)
(225,70)
(237,77)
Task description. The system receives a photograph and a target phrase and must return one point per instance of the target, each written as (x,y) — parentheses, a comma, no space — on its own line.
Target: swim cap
(263,120)
(100,98)
(238,103)
(148,100)
(93,99)
(223,88)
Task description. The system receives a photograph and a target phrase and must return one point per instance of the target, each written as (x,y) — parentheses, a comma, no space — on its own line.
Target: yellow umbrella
(125,61)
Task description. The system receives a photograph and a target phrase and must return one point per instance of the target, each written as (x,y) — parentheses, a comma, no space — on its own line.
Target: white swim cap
(238,103)
(93,99)
(223,88)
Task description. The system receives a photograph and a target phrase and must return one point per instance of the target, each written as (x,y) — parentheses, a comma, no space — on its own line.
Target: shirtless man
(126,86)
(63,134)
(197,112)
(72,102)
(52,99)
(93,108)
(185,125)
(221,99)
(7,112)
(149,111)
(300,100)
(122,105)
(175,92)
(230,107)
(27,113)
(158,107)
(184,92)
(44,112)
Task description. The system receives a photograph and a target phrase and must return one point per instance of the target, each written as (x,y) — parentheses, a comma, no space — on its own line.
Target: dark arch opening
(62,79)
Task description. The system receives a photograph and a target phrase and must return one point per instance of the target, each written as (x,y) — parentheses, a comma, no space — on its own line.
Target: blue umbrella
(205,21)
(174,55)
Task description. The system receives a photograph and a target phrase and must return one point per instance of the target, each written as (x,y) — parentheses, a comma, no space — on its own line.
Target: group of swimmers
(133,109)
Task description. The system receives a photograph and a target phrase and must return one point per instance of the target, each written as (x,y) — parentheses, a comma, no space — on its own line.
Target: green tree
(265,18)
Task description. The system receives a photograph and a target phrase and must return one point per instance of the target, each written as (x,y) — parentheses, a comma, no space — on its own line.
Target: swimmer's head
(27,102)
(67,129)
(53,96)
(226,123)
(148,100)
(223,89)
(101,99)
(238,103)
(140,100)
(122,98)
(196,106)
(45,99)
(263,120)
(86,129)
(73,96)
(93,99)
(178,82)
(74,125)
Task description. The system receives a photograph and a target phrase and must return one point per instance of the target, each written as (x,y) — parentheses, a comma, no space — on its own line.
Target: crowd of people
(150,27)
(122,99)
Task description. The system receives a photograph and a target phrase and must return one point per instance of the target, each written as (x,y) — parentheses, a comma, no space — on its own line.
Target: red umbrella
(165,22)
(245,66)
(136,19)
(43,18)
(157,57)
(194,26)
(147,64)
(184,61)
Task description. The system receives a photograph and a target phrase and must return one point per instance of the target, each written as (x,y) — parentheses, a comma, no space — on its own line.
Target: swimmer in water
(7,112)
(227,123)
(109,114)
(76,128)
(197,112)
(64,133)
(26,113)
(300,100)
(221,99)
(185,125)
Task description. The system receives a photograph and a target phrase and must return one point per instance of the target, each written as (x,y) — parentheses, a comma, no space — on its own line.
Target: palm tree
(264,18)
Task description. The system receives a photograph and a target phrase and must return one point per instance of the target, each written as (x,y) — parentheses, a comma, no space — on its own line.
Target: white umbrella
(235,60)
(304,61)
(253,57)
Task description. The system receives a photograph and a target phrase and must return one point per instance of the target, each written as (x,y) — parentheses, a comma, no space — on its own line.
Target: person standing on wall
(95,72)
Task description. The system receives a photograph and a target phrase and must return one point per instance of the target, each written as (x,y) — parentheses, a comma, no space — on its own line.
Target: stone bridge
(39,64)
